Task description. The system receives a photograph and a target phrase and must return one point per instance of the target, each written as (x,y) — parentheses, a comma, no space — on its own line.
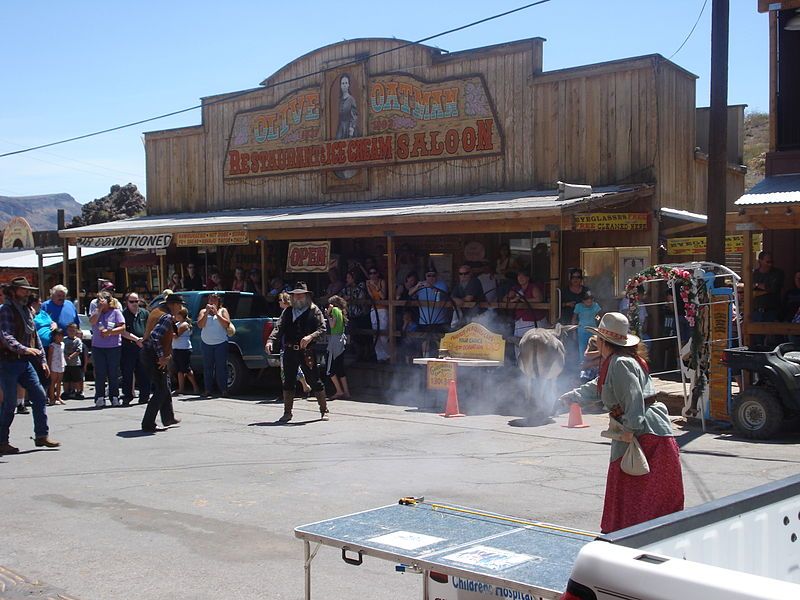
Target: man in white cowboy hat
(298,327)
(19,345)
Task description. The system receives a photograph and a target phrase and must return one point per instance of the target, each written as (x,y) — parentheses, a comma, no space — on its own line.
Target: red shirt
(529,314)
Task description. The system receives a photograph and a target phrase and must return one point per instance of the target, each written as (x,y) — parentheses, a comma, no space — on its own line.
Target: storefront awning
(28,259)
(483,207)
(779,189)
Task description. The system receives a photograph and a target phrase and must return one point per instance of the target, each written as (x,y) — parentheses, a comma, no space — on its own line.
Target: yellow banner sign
(474,341)
(718,383)
(440,374)
(212,238)
(612,222)
(697,245)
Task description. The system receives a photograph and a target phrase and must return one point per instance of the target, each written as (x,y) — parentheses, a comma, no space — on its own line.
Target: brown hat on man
(300,288)
(21,282)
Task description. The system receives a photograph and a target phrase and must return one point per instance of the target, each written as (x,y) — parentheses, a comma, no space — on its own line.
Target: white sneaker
(115,402)
(99,402)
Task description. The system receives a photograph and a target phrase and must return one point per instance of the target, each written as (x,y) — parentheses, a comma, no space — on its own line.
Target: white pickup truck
(742,547)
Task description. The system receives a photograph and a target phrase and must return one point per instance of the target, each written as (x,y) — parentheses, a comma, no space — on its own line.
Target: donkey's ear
(557,329)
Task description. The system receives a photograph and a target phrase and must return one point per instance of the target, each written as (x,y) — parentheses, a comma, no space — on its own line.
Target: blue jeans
(132,363)
(21,372)
(215,366)
(106,368)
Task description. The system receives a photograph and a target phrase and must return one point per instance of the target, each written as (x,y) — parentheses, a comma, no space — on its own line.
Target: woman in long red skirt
(625,389)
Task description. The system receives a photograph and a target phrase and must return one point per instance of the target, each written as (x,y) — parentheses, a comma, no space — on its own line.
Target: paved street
(207,509)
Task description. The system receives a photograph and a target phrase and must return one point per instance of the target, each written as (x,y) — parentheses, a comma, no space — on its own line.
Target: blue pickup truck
(254,318)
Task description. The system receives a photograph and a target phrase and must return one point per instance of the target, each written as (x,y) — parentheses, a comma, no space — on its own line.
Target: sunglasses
(463,272)
(373,272)
(430,274)
(133,302)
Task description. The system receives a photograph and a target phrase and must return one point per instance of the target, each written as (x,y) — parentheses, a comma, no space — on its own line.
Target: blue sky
(70,68)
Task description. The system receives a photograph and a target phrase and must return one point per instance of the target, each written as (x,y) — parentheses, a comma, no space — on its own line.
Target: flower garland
(676,278)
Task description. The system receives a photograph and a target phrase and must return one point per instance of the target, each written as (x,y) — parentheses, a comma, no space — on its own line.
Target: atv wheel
(757,414)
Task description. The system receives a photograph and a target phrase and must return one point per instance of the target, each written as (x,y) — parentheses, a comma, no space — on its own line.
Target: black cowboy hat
(300,288)
(174,299)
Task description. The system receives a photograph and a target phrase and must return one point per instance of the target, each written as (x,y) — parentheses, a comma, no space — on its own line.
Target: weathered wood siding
(601,124)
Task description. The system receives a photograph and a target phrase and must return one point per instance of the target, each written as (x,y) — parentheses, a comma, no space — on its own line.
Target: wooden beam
(747,277)
(390,285)
(78,278)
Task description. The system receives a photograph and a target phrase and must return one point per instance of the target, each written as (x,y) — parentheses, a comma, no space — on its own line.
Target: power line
(702,10)
(228,97)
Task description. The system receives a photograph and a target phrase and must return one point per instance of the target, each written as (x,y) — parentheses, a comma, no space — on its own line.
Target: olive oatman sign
(395,119)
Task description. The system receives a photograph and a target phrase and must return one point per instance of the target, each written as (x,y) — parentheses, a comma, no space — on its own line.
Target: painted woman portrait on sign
(348,120)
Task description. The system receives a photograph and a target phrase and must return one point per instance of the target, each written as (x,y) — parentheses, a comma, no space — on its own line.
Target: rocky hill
(40,211)
(756,144)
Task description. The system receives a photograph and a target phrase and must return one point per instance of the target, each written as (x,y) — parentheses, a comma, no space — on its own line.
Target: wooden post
(390,285)
(747,279)
(718,132)
(263,251)
(555,275)
(65,250)
(162,272)
(40,256)
(77,276)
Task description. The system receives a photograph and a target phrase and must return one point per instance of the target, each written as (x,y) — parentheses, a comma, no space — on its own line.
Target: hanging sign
(239,237)
(697,245)
(18,234)
(127,242)
(308,257)
(383,120)
(612,222)
(440,374)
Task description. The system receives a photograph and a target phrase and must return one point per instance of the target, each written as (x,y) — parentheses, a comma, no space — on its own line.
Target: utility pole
(718,132)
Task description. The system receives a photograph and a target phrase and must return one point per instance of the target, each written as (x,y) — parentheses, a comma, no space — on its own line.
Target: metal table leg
(309,556)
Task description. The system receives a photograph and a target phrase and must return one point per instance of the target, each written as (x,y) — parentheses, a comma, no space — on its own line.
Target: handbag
(231,330)
(634,462)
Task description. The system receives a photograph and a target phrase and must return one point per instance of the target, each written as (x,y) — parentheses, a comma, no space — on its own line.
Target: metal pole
(307,567)
(718,132)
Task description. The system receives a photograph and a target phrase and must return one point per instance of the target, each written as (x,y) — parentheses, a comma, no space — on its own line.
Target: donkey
(541,357)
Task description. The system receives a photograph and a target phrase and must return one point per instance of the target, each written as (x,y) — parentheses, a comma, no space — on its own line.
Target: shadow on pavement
(280,424)
(135,433)
(531,422)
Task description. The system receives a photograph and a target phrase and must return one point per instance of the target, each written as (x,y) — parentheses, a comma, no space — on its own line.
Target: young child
(585,315)
(182,352)
(73,364)
(337,340)
(284,301)
(591,361)
(55,359)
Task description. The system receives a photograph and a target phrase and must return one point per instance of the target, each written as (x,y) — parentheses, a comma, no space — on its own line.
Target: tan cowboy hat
(300,288)
(613,328)
(21,282)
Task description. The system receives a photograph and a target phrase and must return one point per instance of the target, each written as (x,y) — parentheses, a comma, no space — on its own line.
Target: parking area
(206,509)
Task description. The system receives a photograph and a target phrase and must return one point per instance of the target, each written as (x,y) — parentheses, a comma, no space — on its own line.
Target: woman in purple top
(108,323)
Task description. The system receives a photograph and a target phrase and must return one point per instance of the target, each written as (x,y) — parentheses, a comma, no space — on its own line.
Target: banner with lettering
(440,374)
(308,257)
(686,246)
(212,238)
(127,242)
(407,120)
(612,222)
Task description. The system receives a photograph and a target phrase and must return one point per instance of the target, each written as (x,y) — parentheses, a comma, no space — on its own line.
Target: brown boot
(323,405)
(288,402)
(46,442)
(8,449)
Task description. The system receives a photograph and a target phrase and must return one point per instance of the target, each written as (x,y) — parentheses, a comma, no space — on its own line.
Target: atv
(761,408)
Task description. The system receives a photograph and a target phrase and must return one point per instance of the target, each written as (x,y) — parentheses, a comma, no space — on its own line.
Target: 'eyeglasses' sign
(308,257)
(612,222)
(394,119)
(127,242)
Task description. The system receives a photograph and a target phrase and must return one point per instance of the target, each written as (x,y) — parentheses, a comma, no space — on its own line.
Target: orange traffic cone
(575,417)
(451,408)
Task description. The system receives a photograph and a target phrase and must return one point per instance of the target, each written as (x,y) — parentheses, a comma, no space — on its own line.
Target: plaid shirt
(8,330)
(164,325)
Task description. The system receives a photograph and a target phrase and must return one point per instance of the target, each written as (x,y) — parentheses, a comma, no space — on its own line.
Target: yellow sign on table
(212,238)
(440,374)
(474,341)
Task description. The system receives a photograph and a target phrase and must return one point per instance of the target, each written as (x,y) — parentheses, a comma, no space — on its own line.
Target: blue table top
(459,541)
